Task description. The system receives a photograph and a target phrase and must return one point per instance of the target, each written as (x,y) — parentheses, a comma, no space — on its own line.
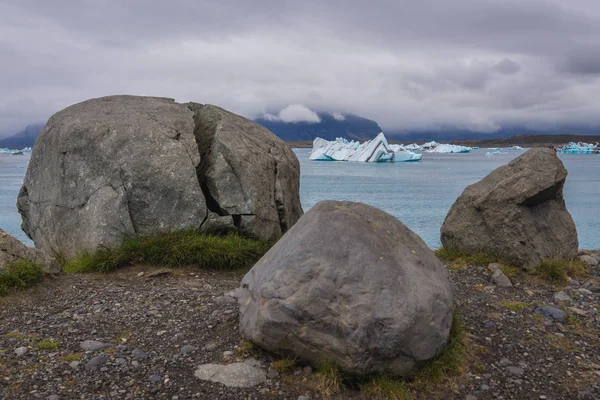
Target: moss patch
(174,249)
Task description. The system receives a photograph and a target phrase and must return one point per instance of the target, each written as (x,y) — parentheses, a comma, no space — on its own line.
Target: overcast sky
(475,64)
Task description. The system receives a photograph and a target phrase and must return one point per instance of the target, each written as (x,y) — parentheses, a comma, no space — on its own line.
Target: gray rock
(591,261)
(121,361)
(575,283)
(139,354)
(122,166)
(242,374)
(493,267)
(272,373)
(562,296)
(188,349)
(551,312)
(12,250)
(21,351)
(109,167)
(96,363)
(247,172)
(53,397)
(380,302)
(155,378)
(594,289)
(515,370)
(135,364)
(94,345)
(74,364)
(585,291)
(500,279)
(304,398)
(518,211)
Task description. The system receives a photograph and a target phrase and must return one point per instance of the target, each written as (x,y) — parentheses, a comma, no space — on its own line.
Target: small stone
(594,289)
(500,279)
(485,387)
(552,312)
(104,369)
(515,370)
(21,351)
(504,361)
(578,311)
(574,283)
(307,370)
(562,296)
(74,364)
(211,347)
(589,260)
(585,291)
(304,398)
(188,348)
(493,267)
(93,345)
(140,274)
(241,374)
(470,397)
(139,354)
(96,363)
(121,361)
(155,378)
(135,364)
(53,397)
(227,354)
(272,373)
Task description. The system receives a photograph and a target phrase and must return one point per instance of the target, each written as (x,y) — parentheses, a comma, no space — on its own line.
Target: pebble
(307,370)
(594,289)
(227,353)
(515,370)
(562,296)
(585,291)
(53,397)
(93,345)
(272,373)
(21,351)
(96,363)
(304,398)
(139,354)
(188,348)
(135,364)
(500,279)
(591,261)
(121,361)
(575,283)
(552,312)
(74,364)
(155,378)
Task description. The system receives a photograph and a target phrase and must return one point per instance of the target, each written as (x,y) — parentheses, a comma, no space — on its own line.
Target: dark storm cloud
(475,64)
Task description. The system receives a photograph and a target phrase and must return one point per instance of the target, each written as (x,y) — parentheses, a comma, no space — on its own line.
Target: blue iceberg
(580,148)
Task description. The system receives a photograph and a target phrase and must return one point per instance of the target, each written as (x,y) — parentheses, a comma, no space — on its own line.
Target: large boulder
(12,250)
(122,166)
(349,284)
(517,212)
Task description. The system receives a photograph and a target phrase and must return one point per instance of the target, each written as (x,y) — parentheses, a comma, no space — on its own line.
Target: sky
(479,65)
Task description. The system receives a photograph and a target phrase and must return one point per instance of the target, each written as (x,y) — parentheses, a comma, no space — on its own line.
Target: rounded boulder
(352,285)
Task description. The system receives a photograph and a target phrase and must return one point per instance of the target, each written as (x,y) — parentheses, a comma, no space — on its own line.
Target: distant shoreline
(519,140)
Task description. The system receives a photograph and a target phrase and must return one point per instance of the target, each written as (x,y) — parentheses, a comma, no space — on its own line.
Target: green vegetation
(283,364)
(449,364)
(47,344)
(20,275)
(557,270)
(72,357)
(513,305)
(330,378)
(180,248)
(451,252)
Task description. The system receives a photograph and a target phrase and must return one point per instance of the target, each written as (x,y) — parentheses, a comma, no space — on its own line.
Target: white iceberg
(580,148)
(434,147)
(376,150)
(514,148)
(6,150)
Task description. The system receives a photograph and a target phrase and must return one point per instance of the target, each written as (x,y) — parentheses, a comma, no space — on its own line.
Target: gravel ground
(162,326)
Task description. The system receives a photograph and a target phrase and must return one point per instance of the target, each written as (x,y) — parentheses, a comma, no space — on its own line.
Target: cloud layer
(471,64)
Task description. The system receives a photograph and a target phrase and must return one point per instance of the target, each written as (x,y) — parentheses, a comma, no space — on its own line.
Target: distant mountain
(351,127)
(25,138)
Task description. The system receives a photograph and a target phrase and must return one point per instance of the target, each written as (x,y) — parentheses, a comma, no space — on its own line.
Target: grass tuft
(283,364)
(451,252)
(557,270)
(20,275)
(174,249)
(330,378)
(47,344)
(72,357)
(513,305)
(384,387)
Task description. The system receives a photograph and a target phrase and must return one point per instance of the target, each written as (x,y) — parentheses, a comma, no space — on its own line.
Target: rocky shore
(143,333)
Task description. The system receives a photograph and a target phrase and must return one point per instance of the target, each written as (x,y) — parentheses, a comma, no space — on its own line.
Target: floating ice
(434,147)
(514,148)
(376,150)
(6,150)
(580,148)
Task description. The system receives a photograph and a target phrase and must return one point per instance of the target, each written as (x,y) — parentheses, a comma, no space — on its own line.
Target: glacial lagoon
(418,193)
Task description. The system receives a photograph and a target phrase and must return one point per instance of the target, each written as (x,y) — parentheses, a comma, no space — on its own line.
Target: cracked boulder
(374,300)
(116,167)
(249,176)
(517,212)
(12,250)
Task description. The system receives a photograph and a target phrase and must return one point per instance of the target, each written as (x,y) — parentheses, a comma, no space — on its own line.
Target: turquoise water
(419,194)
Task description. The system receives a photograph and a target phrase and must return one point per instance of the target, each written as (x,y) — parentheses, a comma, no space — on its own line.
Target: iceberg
(376,150)
(6,150)
(445,148)
(514,148)
(580,148)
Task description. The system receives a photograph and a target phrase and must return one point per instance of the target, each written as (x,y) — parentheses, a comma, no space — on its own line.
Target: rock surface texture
(126,165)
(375,299)
(12,250)
(516,212)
